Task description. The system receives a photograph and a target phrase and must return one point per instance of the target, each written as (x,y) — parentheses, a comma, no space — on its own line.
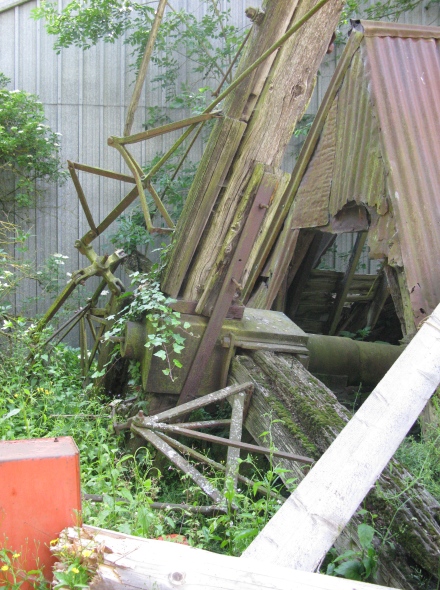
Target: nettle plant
(29,149)
(149,304)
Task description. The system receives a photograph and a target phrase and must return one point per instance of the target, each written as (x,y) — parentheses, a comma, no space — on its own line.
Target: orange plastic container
(39,496)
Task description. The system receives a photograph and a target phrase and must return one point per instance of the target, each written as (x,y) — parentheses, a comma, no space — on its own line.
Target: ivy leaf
(161,354)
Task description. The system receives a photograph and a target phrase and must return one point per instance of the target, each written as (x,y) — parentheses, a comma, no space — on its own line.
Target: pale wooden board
(132,562)
(328,497)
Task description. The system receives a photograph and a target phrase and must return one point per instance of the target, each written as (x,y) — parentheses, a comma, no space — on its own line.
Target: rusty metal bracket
(255,218)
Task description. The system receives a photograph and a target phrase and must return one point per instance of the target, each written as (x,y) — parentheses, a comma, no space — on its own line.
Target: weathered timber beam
(235,432)
(244,92)
(345,284)
(140,79)
(323,504)
(304,416)
(281,102)
(209,489)
(147,564)
(260,189)
(171,428)
(211,398)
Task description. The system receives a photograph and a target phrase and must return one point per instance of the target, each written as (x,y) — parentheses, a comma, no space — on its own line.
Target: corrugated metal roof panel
(405,86)
(385,29)
(358,174)
(388,149)
(310,207)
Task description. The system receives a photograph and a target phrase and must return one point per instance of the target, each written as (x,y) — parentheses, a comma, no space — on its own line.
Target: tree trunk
(311,419)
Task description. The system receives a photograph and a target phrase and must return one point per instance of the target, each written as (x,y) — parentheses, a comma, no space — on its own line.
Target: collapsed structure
(250,237)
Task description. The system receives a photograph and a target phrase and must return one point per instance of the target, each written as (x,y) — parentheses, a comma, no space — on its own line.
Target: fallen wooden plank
(304,417)
(134,563)
(323,504)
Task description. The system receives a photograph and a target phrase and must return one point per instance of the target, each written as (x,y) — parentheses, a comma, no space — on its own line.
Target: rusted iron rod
(227,442)
(81,196)
(180,462)
(182,159)
(204,424)
(229,70)
(160,205)
(76,316)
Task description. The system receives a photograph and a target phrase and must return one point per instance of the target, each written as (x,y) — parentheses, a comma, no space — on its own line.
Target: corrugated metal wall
(85,95)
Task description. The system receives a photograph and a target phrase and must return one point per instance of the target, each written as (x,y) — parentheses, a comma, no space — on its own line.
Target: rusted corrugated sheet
(359,174)
(387,151)
(404,72)
(310,207)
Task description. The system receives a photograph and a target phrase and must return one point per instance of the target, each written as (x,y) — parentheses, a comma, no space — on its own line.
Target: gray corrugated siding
(85,96)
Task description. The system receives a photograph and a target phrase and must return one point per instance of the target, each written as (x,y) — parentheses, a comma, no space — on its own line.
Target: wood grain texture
(323,504)
(281,104)
(134,563)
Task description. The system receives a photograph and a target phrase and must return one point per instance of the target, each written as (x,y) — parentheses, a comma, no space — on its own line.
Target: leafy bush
(29,149)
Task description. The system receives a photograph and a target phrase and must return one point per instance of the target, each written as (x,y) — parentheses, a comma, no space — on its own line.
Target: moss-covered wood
(311,419)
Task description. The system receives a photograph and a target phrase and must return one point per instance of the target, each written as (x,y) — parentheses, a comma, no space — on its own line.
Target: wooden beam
(172,455)
(323,503)
(140,79)
(345,284)
(136,563)
(235,432)
(211,398)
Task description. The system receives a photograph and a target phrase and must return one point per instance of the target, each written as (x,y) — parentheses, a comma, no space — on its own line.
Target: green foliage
(14,576)
(149,304)
(29,149)
(207,43)
(421,456)
(12,269)
(360,565)
(49,401)
(132,233)
(361,334)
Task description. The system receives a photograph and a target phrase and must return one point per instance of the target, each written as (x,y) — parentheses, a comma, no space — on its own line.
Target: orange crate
(39,496)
